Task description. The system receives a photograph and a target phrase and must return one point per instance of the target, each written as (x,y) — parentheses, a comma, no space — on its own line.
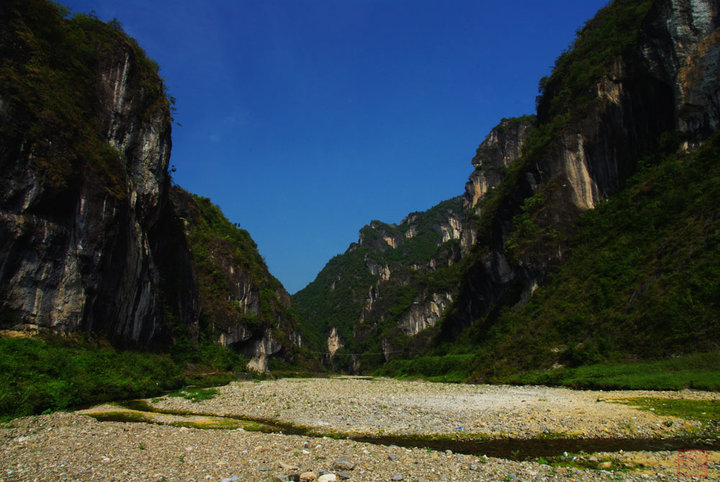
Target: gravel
(70,446)
(384,406)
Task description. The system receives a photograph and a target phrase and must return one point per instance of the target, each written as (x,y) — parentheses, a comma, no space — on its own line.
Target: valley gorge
(96,239)
(558,319)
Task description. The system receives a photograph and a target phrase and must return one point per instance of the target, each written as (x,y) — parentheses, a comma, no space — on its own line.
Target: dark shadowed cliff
(90,238)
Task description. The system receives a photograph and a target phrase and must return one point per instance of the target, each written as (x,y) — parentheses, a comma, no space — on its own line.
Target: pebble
(343,464)
(288,467)
(79,448)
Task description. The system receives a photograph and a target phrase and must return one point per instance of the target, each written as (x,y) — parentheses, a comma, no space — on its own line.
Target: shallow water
(506,448)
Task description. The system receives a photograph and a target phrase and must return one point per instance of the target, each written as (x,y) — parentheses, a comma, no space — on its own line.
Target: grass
(705,411)
(196,394)
(58,373)
(698,371)
(447,368)
(583,461)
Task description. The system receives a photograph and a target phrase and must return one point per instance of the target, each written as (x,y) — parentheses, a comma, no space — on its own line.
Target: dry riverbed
(76,446)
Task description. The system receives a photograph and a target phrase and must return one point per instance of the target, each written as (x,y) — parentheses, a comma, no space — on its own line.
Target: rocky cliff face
(662,85)
(681,45)
(77,220)
(241,305)
(499,149)
(90,239)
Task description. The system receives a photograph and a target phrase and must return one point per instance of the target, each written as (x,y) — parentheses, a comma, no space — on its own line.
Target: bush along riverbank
(39,374)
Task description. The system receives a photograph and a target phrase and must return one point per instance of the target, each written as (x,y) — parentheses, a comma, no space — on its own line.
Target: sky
(304,120)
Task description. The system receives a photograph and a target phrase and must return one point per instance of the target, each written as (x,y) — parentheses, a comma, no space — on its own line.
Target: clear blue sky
(306,119)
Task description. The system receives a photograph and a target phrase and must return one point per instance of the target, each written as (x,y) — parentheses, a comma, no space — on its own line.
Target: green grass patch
(196,394)
(58,373)
(705,411)
(584,461)
(698,371)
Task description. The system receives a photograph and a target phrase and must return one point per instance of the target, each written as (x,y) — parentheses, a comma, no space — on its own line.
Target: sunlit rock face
(261,351)
(424,314)
(500,148)
(334,342)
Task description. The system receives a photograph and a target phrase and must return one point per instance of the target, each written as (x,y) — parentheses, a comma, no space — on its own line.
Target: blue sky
(306,119)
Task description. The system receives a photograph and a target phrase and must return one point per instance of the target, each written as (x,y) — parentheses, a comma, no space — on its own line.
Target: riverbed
(329,421)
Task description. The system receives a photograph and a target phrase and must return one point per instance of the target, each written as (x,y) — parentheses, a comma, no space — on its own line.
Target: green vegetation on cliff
(59,373)
(641,282)
(379,279)
(642,279)
(48,76)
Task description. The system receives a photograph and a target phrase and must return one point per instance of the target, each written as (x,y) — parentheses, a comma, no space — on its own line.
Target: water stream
(507,448)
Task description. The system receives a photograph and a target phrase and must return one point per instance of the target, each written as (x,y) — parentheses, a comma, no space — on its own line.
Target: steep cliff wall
(85,177)
(640,75)
(90,238)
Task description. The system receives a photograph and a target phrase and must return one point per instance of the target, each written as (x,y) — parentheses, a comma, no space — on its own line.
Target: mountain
(241,305)
(640,80)
(93,237)
(549,270)
(371,301)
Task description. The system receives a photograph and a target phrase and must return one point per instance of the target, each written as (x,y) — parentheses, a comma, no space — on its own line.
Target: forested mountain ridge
(636,90)
(93,237)
(392,284)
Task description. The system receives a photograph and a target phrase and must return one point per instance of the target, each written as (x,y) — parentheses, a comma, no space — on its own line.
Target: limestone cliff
(605,107)
(90,238)
(84,157)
